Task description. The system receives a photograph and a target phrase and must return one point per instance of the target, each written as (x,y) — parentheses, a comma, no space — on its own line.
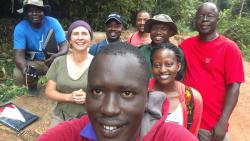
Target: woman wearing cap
(67,76)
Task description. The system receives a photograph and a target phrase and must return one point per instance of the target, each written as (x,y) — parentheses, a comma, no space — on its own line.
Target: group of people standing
(145,89)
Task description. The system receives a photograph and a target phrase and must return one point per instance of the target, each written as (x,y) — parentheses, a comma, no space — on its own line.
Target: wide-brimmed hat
(38,3)
(116,16)
(161,18)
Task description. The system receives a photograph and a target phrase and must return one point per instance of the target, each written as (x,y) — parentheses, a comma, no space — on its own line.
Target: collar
(88,132)
(106,40)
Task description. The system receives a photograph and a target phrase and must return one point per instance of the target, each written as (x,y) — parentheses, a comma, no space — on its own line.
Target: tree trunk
(242,7)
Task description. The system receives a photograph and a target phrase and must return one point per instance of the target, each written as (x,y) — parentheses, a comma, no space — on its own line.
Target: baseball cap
(114,16)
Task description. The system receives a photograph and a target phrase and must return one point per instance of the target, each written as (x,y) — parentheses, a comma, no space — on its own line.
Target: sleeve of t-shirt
(92,49)
(65,131)
(19,38)
(234,64)
(174,132)
(52,72)
(59,32)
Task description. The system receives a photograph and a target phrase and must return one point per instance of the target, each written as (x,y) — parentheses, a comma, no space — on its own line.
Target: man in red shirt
(118,104)
(213,67)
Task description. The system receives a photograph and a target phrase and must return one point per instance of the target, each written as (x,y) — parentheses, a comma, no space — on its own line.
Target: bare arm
(63,49)
(20,60)
(77,97)
(231,100)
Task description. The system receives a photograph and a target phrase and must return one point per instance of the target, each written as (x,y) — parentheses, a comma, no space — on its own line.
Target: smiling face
(141,19)
(165,66)
(116,96)
(34,15)
(160,33)
(80,38)
(206,19)
(113,30)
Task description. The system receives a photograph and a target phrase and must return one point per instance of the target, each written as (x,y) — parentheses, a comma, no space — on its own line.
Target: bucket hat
(38,3)
(161,18)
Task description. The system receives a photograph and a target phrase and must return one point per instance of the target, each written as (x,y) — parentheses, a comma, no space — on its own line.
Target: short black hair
(170,46)
(178,53)
(120,49)
(143,11)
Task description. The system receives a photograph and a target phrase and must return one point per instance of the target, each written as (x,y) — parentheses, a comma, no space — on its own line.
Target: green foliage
(184,29)
(42,80)
(179,10)
(95,11)
(237,29)
(9,91)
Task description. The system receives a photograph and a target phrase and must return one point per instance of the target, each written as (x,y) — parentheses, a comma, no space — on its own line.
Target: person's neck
(167,88)
(157,44)
(209,37)
(112,41)
(79,56)
(36,25)
(143,34)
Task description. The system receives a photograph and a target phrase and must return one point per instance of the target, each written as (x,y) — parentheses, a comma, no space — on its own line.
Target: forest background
(234,23)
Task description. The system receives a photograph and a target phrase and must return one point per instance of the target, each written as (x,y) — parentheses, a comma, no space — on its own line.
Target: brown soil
(240,119)
(42,106)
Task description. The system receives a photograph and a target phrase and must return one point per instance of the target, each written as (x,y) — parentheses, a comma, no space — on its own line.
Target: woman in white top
(185,102)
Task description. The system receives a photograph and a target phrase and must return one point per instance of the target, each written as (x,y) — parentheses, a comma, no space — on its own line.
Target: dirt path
(240,120)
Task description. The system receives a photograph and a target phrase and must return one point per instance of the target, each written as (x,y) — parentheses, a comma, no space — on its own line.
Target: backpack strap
(131,37)
(189,100)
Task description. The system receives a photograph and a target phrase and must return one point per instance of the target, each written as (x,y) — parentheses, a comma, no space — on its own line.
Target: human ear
(179,67)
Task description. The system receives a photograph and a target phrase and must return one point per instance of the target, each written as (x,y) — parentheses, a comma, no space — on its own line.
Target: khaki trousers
(19,79)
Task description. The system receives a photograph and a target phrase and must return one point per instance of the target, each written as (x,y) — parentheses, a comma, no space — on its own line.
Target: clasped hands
(79,96)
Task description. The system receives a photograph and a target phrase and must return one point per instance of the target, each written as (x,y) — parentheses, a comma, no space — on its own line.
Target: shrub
(237,29)
(8,90)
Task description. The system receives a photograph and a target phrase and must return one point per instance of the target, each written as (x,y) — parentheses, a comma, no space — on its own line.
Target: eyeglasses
(206,17)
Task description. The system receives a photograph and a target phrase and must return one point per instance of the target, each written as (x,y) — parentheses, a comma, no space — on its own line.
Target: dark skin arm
(63,49)
(20,60)
(231,100)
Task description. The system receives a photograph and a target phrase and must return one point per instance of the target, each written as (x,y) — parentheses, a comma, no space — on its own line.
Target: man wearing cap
(161,27)
(29,37)
(113,29)
(215,69)
(140,37)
